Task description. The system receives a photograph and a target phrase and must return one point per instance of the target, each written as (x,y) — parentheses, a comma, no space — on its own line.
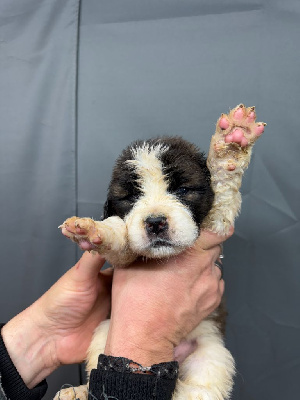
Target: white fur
(207,374)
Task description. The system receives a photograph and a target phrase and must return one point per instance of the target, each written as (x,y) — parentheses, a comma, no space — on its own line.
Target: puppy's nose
(156,225)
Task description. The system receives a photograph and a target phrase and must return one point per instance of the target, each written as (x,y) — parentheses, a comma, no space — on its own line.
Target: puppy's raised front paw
(236,132)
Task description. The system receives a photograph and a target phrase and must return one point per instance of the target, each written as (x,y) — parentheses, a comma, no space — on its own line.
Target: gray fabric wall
(38,75)
(74,93)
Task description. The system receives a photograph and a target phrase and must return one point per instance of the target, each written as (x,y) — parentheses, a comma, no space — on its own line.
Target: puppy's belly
(184,349)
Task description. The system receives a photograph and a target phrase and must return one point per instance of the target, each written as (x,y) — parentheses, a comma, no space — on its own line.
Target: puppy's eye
(129,197)
(183,190)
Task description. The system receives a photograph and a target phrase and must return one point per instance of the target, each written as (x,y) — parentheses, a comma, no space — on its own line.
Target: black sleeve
(11,382)
(125,385)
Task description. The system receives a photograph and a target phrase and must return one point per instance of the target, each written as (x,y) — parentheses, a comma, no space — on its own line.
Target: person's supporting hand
(58,327)
(155,304)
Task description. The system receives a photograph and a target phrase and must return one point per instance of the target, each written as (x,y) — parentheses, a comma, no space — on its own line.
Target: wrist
(29,348)
(141,354)
(136,344)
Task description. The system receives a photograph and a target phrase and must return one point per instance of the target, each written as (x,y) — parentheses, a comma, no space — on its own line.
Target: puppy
(162,193)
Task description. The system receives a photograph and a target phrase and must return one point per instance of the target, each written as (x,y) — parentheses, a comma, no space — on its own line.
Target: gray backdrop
(80,80)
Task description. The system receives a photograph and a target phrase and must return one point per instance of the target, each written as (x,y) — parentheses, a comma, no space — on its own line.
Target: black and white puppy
(161,189)
(162,193)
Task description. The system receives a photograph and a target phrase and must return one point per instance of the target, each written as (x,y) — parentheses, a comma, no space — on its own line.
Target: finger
(88,267)
(208,239)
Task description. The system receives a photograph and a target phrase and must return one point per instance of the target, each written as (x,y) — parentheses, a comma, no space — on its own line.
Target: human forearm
(58,327)
(136,343)
(29,348)
(140,334)
(154,307)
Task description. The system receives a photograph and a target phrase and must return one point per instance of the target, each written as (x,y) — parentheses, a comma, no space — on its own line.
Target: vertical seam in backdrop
(74,99)
(75,93)
(74,102)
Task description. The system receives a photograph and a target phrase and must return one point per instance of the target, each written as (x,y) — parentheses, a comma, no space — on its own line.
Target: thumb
(208,239)
(88,267)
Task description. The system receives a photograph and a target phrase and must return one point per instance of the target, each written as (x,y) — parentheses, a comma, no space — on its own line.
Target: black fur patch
(186,171)
(188,177)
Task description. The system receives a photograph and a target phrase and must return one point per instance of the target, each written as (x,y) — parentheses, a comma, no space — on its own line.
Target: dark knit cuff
(122,384)
(11,381)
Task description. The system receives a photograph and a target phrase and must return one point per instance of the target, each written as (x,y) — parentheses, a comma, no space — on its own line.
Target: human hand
(155,304)
(58,327)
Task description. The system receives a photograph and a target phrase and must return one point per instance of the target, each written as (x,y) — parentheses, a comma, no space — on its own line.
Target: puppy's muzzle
(156,226)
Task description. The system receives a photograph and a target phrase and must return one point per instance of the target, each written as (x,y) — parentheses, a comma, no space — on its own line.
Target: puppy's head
(161,188)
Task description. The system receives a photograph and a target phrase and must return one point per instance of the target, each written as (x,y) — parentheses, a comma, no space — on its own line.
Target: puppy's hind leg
(206,374)
(72,393)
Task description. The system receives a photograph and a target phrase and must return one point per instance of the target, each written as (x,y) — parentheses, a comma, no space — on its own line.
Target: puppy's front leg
(228,158)
(108,237)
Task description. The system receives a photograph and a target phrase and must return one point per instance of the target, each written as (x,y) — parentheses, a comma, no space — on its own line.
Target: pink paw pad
(239,114)
(251,117)
(78,230)
(237,136)
(224,123)
(86,245)
(259,129)
(239,127)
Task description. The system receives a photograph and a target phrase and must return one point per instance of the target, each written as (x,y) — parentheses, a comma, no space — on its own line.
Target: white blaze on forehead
(156,200)
(148,166)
